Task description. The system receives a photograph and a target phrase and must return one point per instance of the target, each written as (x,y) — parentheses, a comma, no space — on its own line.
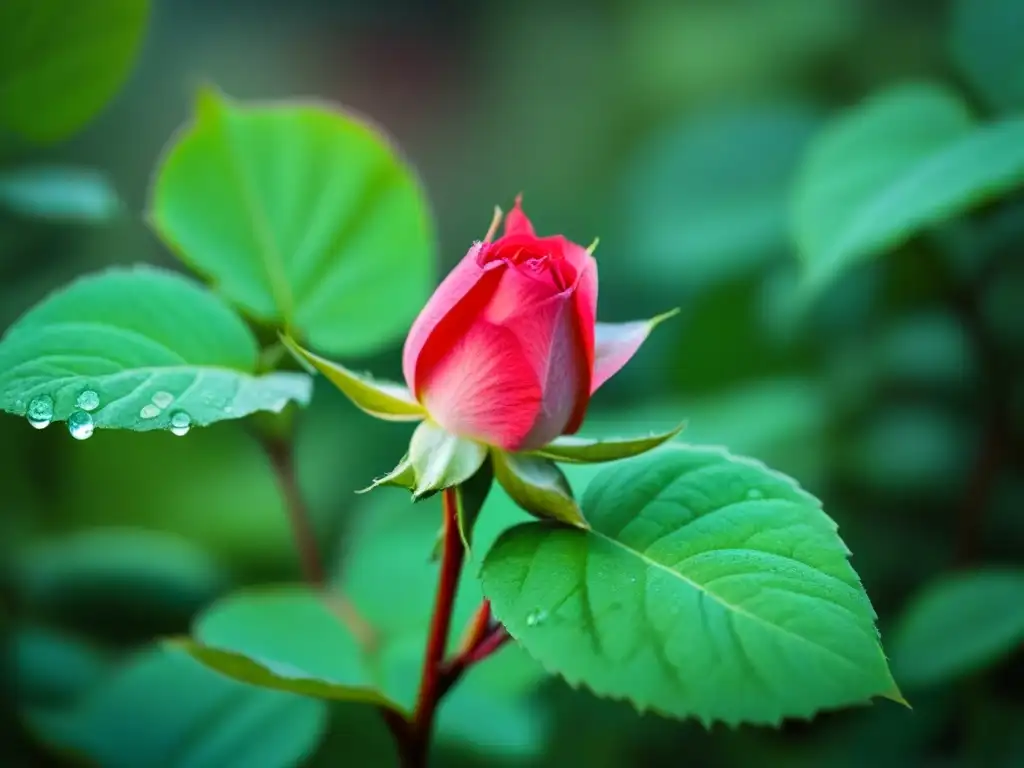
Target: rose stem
(451,566)
(484,638)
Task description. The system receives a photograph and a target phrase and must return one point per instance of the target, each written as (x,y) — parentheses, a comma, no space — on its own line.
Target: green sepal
(382,399)
(471,497)
(402,476)
(580,450)
(538,486)
(441,460)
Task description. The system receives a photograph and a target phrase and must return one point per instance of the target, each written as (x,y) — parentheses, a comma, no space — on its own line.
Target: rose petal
(586,321)
(485,388)
(463,285)
(520,289)
(616,343)
(516,222)
(550,339)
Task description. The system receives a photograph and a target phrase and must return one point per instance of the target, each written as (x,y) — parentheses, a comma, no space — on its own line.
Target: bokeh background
(674,131)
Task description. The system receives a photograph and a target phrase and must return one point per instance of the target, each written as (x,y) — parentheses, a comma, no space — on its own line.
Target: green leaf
(65,194)
(906,159)
(61,62)
(986,46)
(304,217)
(161,708)
(538,486)
(156,349)
(47,666)
(381,399)
(442,460)
(708,586)
(958,624)
(580,450)
(260,635)
(288,638)
(123,575)
(705,200)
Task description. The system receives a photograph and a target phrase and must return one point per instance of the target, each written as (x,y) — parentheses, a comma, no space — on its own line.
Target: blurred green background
(674,132)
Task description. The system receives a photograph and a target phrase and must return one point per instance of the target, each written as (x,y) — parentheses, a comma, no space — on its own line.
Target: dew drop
(149,412)
(754,494)
(88,400)
(535,618)
(181,423)
(162,399)
(40,411)
(80,425)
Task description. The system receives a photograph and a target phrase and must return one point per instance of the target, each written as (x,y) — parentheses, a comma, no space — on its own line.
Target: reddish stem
(477,628)
(430,691)
(485,645)
(489,645)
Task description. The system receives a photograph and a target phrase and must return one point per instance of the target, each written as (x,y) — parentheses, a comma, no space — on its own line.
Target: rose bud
(503,360)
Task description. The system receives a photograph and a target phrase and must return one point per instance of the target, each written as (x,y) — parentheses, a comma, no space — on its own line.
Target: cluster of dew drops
(80,422)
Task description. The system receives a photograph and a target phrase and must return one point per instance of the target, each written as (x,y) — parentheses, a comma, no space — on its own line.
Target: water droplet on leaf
(754,494)
(88,400)
(163,399)
(181,423)
(149,412)
(40,411)
(536,618)
(80,425)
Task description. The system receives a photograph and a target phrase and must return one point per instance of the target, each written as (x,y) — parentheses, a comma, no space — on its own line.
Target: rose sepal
(537,486)
(569,449)
(382,399)
(442,460)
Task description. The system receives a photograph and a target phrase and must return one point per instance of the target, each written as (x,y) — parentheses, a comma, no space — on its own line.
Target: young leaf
(138,348)
(161,708)
(62,62)
(708,586)
(538,486)
(288,639)
(442,460)
(382,399)
(303,216)
(906,159)
(959,624)
(63,194)
(580,450)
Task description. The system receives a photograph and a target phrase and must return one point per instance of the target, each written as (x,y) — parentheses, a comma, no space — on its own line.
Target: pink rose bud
(505,350)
